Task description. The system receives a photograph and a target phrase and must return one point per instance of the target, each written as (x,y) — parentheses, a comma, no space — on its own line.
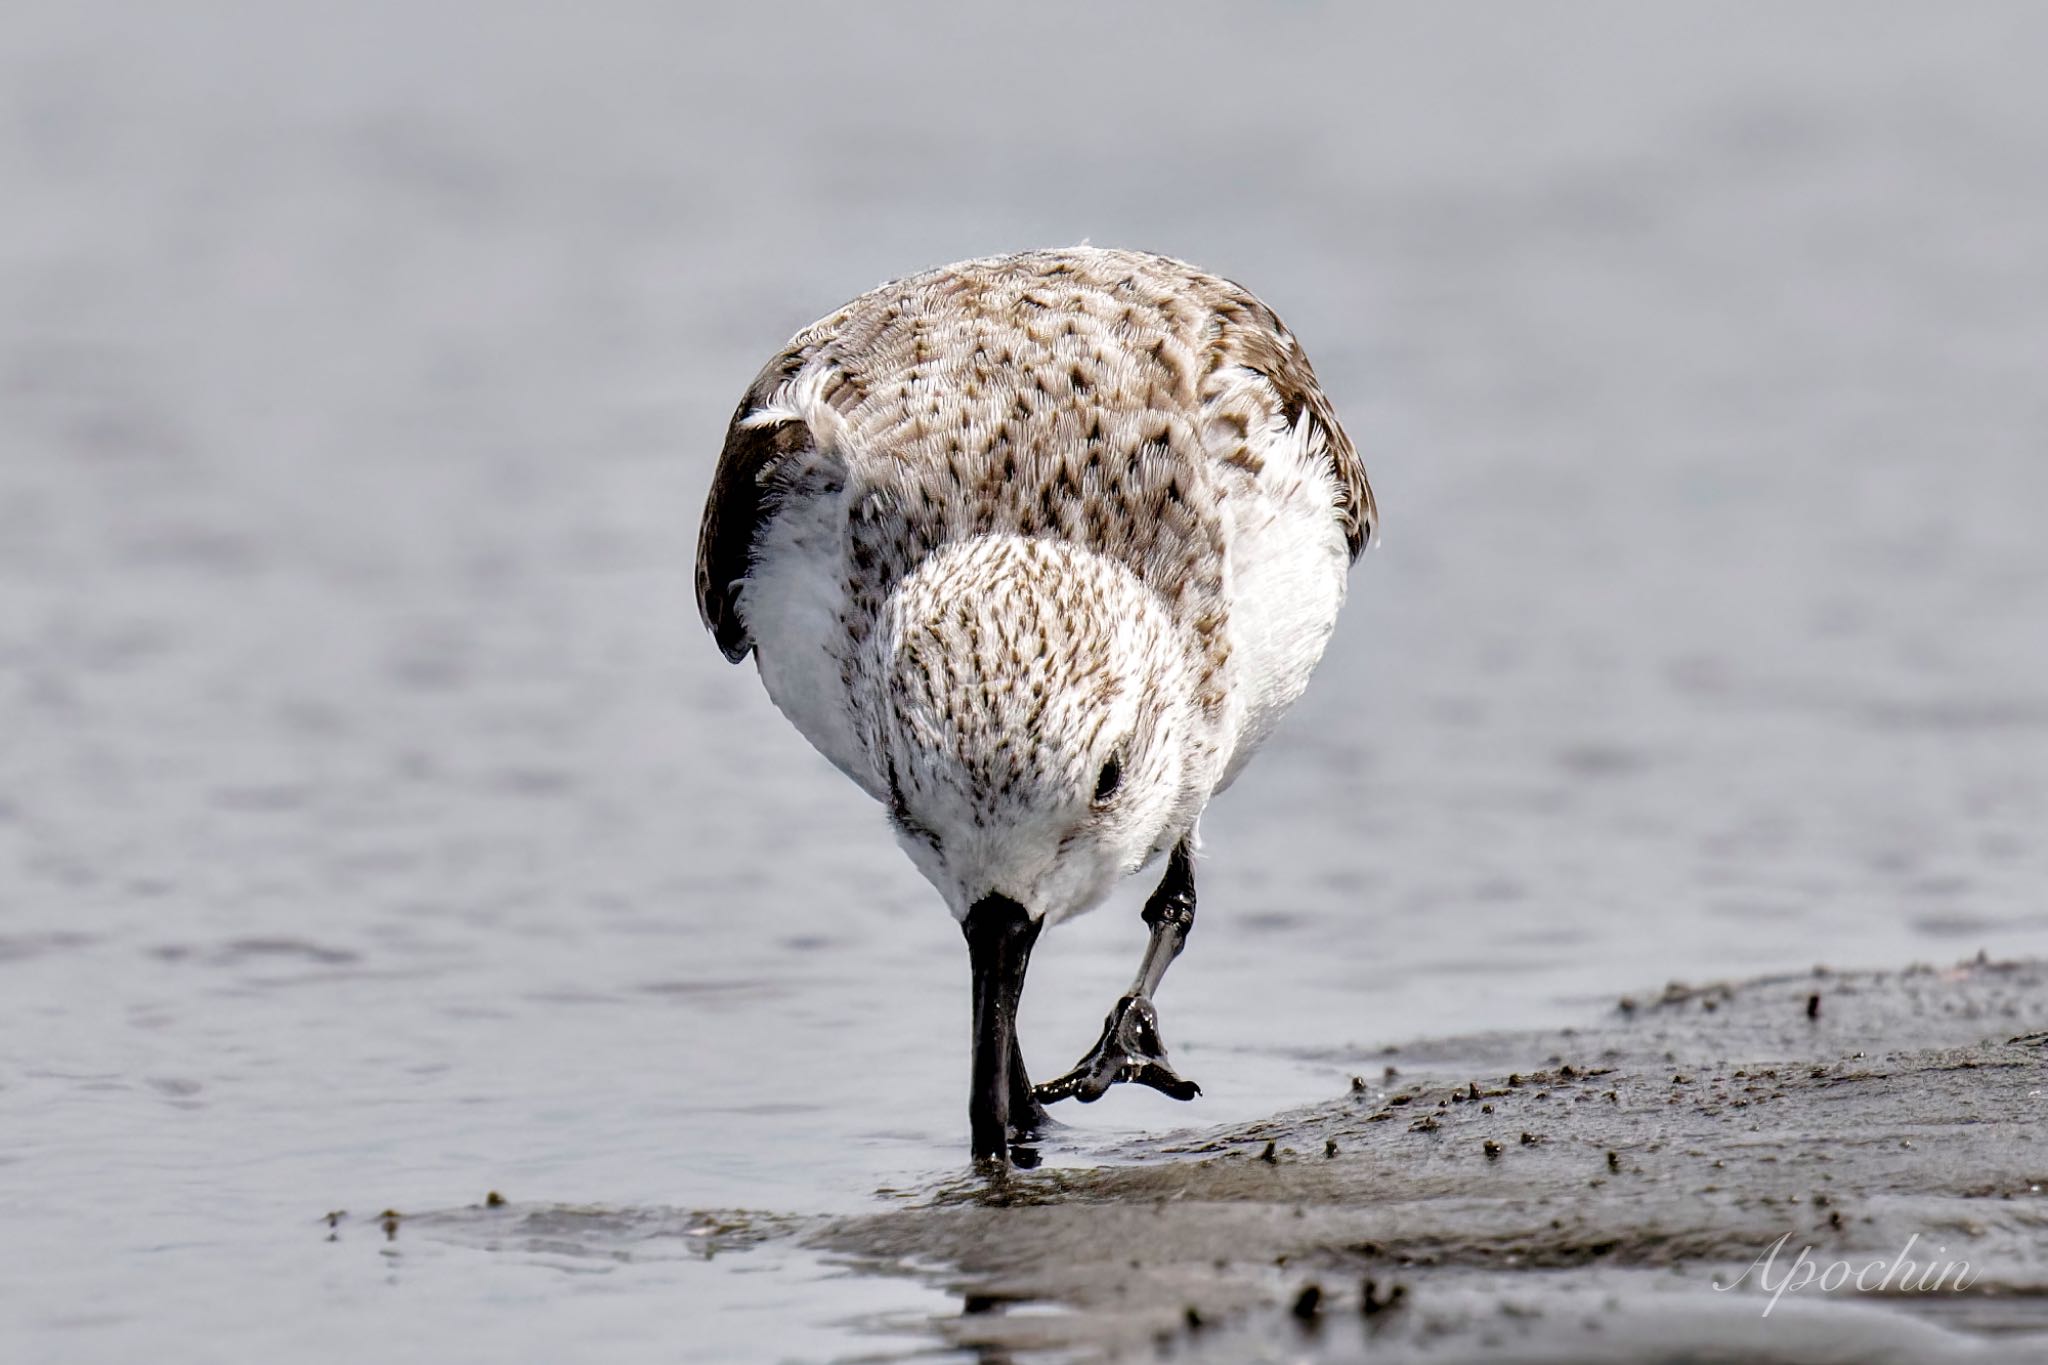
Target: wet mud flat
(1609,1192)
(1703,1174)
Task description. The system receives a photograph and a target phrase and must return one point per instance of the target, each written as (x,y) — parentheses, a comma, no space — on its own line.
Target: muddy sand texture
(1563,1196)
(1571,1196)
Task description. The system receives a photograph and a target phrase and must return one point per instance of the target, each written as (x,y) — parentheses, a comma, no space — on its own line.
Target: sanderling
(1037,549)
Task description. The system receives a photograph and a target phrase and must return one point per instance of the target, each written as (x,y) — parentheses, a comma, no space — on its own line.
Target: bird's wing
(759,445)
(1248,337)
(1256,386)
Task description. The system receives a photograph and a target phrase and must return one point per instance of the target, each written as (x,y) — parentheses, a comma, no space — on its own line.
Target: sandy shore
(1588,1194)
(1699,1175)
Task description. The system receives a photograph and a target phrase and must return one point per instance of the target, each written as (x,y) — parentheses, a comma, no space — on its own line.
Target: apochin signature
(1900,1275)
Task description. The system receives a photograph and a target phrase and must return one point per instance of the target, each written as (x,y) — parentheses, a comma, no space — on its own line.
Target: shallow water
(377,827)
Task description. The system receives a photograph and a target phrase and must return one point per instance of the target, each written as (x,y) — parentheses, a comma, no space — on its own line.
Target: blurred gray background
(377,826)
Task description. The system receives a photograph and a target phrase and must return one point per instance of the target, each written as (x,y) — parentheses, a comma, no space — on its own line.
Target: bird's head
(1038,733)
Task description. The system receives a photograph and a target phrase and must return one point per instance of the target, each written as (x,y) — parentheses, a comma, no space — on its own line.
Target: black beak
(1000,933)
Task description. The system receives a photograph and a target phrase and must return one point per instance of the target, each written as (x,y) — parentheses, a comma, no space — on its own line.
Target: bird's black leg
(1129,1048)
(1027,1116)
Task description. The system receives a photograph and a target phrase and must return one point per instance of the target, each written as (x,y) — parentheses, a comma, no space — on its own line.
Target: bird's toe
(1129,1049)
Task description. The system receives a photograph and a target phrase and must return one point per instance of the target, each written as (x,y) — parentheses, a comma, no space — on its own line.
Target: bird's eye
(1109,779)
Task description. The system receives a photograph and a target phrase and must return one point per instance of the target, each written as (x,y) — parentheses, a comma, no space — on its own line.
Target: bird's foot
(1128,1050)
(1023,1137)
(1030,1122)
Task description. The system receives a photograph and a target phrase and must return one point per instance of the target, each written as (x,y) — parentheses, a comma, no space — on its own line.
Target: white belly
(791,604)
(1288,565)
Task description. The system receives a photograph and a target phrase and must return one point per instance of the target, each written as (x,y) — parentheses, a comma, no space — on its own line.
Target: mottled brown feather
(880,349)
(1253,336)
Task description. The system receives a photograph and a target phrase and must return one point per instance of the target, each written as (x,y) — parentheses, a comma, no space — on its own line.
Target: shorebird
(1037,549)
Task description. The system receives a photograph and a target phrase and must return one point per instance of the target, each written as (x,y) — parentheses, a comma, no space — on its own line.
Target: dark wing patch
(1249,334)
(742,498)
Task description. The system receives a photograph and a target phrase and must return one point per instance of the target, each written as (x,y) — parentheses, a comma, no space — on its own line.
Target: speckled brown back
(1104,397)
